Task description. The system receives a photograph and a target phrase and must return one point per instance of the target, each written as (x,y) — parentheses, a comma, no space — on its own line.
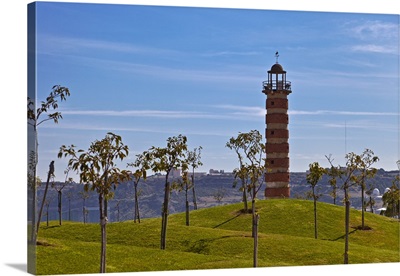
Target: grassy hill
(220,237)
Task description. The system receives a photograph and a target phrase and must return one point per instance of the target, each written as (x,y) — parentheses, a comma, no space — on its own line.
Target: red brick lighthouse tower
(277,88)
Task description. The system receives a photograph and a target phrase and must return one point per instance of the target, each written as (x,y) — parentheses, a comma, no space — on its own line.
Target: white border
(13,124)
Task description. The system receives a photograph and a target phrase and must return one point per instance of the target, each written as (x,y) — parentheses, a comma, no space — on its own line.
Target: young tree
(99,172)
(84,195)
(236,145)
(59,186)
(142,165)
(391,200)
(50,175)
(194,161)
(185,185)
(35,118)
(49,199)
(173,156)
(333,173)
(47,204)
(371,201)
(345,176)
(349,177)
(70,196)
(118,202)
(365,171)
(250,150)
(219,195)
(313,177)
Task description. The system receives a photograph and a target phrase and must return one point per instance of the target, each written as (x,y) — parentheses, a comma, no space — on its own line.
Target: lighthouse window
(272,103)
(272,162)
(272,132)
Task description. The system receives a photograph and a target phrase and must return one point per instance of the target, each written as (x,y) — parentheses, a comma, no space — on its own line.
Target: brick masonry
(283,192)
(277,134)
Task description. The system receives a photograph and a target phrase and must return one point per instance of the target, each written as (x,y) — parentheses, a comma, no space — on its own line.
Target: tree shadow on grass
(343,236)
(227,221)
(49,227)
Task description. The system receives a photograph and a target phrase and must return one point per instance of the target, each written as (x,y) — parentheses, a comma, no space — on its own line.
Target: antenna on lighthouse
(277,56)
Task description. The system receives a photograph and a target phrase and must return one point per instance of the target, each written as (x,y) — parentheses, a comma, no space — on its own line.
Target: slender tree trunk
(246,208)
(164,220)
(106,208)
(253,212)
(362,206)
(187,206)
(137,214)
(103,224)
(49,174)
(334,195)
(315,215)
(60,207)
(194,193)
(47,214)
(347,224)
(138,211)
(255,227)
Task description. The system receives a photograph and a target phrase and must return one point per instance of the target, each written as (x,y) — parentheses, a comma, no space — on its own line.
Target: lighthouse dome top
(277,69)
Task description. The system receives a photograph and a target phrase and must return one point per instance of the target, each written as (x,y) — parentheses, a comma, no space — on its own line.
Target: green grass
(220,237)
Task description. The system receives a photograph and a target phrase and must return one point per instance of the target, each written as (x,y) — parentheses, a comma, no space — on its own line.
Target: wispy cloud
(139,113)
(92,127)
(373,30)
(374,36)
(243,110)
(259,111)
(241,113)
(55,43)
(349,113)
(373,48)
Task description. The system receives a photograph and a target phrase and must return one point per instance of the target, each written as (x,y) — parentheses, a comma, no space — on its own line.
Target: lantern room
(277,80)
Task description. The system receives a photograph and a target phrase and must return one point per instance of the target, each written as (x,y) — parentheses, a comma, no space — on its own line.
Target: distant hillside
(220,237)
(207,186)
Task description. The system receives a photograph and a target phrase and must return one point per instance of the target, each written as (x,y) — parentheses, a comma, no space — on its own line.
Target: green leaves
(193,157)
(51,103)
(315,174)
(362,166)
(96,166)
(391,200)
(173,156)
(250,149)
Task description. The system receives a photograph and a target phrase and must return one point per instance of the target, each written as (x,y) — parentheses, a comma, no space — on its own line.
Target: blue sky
(151,72)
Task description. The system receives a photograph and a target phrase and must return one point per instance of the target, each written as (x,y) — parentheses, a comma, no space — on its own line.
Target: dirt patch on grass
(365,228)
(242,211)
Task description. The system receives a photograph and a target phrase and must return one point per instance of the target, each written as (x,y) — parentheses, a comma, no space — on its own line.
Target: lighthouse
(277,89)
